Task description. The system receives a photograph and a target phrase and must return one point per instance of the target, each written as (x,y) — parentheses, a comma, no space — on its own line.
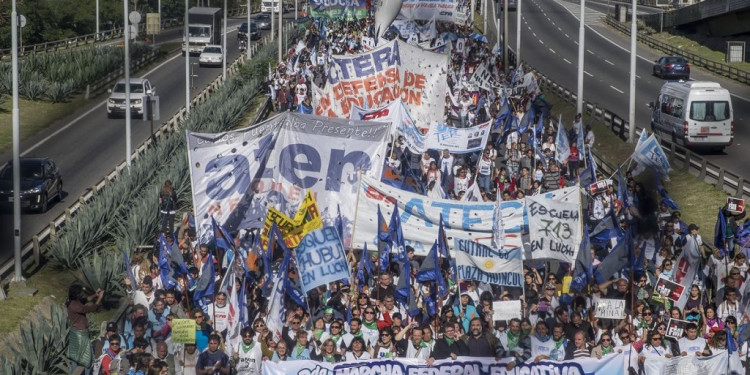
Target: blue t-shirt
(207,360)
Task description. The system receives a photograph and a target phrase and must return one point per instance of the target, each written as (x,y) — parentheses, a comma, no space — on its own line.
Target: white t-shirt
(423,352)
(220,316)
(691,346)
(250,361)
(541,348)
(352,357)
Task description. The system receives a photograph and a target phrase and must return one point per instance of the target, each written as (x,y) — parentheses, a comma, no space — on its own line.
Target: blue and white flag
(562,146)
(638,167)
(475,261)
(650,154)
(321,259)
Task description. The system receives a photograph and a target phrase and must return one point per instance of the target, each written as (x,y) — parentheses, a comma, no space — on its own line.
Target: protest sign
(321,259)
(668,289)
(305,220)
(458,140)
(483,78)
(555,228)
(610,308)
(676,328)
(420,216)
(236,176)
(506,310)
(475,261)
(388,72)
(721,363)
(736,205)
(183,331)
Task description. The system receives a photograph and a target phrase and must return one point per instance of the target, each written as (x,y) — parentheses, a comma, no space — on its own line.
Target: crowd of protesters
(341,322)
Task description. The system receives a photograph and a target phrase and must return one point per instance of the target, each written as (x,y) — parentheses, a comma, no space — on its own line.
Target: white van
(695,114)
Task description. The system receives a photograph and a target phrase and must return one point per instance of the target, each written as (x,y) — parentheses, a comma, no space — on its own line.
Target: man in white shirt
(219,312)
(416,347)
(541,342)
(691,344)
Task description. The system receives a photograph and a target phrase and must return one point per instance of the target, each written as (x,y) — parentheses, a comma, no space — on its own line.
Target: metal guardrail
(31,251)
(711,65)
(730,182)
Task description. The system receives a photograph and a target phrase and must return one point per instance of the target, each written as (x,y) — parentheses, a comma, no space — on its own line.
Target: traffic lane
(646,90)
(89,149)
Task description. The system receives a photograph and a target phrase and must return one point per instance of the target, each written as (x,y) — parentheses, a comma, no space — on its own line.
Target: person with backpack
(167,206)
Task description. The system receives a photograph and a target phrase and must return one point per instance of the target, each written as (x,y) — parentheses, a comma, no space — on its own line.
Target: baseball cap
(328,310)
(111,327)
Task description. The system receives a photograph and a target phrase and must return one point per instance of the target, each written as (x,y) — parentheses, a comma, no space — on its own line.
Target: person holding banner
(213,361)
(605,347)
(356,351)
(481,344)
(691,344)
(448,346)
(247,360)
(515,344)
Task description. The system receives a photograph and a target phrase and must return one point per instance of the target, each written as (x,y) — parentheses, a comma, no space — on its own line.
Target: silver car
(140,89)
(212,55)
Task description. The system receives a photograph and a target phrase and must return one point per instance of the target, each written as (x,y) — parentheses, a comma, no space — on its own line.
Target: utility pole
(631,99)
(505,34)
(18,262)
(581,51)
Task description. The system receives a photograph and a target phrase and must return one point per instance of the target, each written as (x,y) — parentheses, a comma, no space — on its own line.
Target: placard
(599,186)
(183,331)
(676,328)
(610,308)
(736,205)
(668,289)
(506,310)
(554,228)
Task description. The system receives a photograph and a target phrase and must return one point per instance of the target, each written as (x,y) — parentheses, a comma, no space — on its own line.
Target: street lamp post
(18,275)
(187,59)
(247,33)
(631,99)
(581,50)
(127,85)
(224,45)
(97,19)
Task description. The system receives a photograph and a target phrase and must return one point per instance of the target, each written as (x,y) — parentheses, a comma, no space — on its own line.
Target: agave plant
(42,344)
(61,91)
(33,89)
(103,270)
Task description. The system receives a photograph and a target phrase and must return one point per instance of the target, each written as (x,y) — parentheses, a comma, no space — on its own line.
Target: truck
(267,5)
(204,28)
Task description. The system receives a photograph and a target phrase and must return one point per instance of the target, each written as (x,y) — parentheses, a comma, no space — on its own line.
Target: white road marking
(567,61)
(588,74)
(616,89)
(609,62)
(94,108)
(551,50)
(540,41)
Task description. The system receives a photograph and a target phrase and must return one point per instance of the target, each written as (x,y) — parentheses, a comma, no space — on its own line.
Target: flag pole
(356,206)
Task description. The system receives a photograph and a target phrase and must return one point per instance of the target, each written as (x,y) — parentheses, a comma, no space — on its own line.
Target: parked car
(40,183)
(212,55)
(140,88)
(672,66)
(264,21)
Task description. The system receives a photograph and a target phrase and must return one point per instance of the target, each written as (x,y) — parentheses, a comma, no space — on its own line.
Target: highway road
(549,43)
(87,145)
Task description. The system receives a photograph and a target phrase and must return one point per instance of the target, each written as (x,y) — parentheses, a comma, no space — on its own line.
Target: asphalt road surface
(87,145)
(549,42)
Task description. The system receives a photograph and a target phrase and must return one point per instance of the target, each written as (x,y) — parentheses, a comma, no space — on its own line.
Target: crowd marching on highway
(671,295)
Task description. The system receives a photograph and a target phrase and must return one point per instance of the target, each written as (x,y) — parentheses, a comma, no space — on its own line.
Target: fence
(31,252)
(711,65)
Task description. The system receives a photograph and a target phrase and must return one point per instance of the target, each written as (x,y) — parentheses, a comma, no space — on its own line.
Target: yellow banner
(305,220)
(183,331)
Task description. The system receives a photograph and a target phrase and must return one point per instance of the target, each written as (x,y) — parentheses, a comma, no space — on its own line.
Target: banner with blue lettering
(555,227)
(420,217)
(650,154)
(237,175)
(388,72)
(438,136)
(340,10)
(612,364)
(475,261)
(321,259)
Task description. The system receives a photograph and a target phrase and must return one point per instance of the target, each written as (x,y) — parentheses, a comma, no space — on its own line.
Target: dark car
(672,66)
(254,32)
(264,21)
(40,182)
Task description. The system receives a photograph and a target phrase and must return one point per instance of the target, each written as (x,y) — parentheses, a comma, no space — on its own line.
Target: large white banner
(555,228)
(438,136)
(609,365)
(693,365)
(237,175)
(420,217)
(388,72)
(475,261)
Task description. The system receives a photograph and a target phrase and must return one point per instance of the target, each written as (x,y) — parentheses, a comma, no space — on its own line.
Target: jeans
(484,182)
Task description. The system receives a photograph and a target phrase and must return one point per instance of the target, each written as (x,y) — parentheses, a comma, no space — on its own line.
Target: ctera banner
(340,10)
(420,217)
(237,175)
(610,364)
(388,72)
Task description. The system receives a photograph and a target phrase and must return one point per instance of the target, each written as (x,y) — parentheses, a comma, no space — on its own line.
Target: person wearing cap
(112,360)
(101,345)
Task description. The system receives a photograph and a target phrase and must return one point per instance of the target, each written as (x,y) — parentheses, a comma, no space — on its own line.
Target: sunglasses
(248,336)
(655,338)
(198,316)
(114,344)
(386,334)
(624,337)
(295,322)
(370,312)
(606,340)
(647,313)
(336,327)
